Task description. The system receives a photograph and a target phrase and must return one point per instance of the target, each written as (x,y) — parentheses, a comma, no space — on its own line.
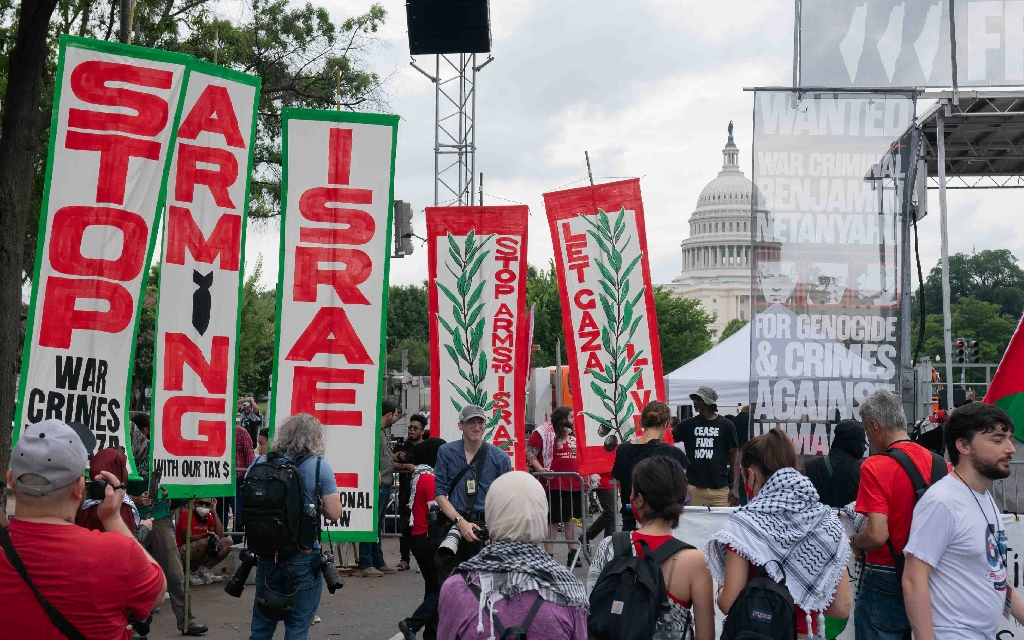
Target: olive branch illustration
(621,324)
(466,325)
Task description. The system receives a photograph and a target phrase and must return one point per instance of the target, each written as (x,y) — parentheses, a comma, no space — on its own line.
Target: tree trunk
(19,150)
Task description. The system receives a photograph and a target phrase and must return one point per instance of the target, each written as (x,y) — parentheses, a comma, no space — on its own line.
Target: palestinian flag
(1007,388)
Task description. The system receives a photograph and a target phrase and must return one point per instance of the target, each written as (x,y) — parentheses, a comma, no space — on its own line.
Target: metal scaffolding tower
(454,81)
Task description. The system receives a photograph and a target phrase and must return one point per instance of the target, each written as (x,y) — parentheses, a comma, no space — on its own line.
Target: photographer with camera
(464,472)
(62,581)
(282,529)
(116,463)
(210,546)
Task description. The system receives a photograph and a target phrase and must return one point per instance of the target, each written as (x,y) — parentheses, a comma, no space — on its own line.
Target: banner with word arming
(337,196)
(611,329)
(195,368)
(478,323)
(829,174)
(115,116)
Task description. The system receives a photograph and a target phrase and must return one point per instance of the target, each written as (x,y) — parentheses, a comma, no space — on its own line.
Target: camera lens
(330,572)
(236,584)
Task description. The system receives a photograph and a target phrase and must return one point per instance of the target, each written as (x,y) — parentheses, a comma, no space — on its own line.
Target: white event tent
(725,368)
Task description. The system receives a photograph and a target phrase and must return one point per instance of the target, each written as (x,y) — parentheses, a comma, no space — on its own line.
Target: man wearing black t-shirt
(710,442)
(627,455)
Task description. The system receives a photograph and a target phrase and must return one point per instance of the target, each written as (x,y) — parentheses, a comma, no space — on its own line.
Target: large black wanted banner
(826,223)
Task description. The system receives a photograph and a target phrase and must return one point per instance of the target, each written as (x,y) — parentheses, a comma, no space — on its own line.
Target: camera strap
(479,459)
(56,618)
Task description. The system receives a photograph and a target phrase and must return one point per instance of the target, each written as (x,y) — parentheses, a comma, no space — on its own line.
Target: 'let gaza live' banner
(195,368)
(478,329)
(607,314)
(337,199)
(115,114)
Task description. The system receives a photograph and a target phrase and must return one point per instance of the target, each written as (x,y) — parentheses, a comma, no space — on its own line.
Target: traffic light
(959,351)
(973,351)
(403,229)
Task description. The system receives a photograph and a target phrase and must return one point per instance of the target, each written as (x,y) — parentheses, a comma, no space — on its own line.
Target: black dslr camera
(329,571)
(236,584)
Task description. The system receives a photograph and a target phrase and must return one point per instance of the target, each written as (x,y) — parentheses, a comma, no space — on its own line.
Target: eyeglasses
(204,504)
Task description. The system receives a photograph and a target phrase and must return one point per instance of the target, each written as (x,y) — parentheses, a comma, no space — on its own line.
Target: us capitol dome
(716,257)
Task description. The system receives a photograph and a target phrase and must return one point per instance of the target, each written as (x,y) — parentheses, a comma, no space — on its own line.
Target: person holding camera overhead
(289,590)
(463,474)
(90,581)
(209,544)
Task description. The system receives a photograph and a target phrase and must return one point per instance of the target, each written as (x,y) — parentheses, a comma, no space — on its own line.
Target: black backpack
(630,593)
(764,610)
(272,507)
(939,471)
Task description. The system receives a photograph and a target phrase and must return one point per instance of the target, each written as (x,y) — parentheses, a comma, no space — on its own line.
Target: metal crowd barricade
(392,512)
(580,519)
(1007,492)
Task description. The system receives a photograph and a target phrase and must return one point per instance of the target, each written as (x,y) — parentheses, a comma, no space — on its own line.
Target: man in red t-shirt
(209,544)
(93,579)
(886,497)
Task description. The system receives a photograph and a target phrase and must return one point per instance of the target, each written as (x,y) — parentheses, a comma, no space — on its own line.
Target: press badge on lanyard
(470,486)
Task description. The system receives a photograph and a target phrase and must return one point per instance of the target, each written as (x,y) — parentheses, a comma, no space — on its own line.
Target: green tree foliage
(542,291)
(991,276)
(734,325)
(256,340)
(682,329)
(142,374)
(987,298)
(408,328)
(303,59)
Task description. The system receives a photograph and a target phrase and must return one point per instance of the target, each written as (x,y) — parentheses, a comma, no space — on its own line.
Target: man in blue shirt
(460,492)
(300,437)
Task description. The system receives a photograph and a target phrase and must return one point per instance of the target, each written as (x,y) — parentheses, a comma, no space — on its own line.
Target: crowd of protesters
(928,531)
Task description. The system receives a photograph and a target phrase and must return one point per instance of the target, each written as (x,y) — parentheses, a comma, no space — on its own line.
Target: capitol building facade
(716,257)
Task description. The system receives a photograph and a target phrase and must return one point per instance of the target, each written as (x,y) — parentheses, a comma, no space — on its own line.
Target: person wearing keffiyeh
(424,456)
(115,462)
(512,573)
(784,525)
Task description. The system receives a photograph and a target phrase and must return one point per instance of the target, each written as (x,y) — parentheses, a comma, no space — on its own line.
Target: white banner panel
(195,370)
(115,113)
(337,198)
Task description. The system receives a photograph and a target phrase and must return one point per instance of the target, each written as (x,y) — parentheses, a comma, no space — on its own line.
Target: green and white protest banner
(115,115)
(195,368)
(337,196)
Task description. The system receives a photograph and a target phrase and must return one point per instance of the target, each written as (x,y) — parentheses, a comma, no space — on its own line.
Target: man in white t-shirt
(954,582)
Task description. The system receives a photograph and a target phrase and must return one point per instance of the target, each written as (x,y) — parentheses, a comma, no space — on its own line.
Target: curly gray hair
(300,435)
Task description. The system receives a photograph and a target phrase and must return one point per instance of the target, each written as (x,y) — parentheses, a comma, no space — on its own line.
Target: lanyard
(994,529)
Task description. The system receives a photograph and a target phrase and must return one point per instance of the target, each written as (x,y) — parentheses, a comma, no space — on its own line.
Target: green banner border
(130,51)
(228,489)
(343,117)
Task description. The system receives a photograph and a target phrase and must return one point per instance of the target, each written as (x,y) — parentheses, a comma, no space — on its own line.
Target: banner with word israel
(337,196)
(611,329)
(479,343)
(195,368)
(115,114)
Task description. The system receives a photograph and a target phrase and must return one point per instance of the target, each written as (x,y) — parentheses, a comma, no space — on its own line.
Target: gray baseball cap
(471,411)
(52,450)
(707,394)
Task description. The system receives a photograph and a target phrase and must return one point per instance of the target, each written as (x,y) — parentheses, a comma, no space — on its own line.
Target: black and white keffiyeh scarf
(505,569)
(417,472)
(786,523)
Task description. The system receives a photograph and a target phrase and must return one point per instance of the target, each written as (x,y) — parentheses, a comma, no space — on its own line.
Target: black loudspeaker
(448,26)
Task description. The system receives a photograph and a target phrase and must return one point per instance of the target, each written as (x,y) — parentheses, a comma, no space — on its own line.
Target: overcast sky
(647,87)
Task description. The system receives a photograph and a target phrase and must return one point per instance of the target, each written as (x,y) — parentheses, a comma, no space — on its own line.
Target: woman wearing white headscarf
(512,581)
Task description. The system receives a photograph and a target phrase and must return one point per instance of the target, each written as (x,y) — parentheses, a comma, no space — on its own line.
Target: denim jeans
(880,612)
(295,572)
(370,553)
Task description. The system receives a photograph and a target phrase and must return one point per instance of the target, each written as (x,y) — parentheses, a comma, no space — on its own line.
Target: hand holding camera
(111,492)
(468,530)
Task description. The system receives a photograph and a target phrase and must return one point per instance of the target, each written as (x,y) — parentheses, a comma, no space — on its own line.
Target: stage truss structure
(455,84)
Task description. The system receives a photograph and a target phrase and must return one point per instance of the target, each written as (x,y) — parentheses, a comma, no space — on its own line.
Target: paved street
(365,609)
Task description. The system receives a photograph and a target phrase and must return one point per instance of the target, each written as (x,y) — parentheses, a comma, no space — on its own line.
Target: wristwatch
(457,520)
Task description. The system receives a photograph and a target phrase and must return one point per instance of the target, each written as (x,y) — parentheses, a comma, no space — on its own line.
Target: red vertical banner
(479,343)
(608,315)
